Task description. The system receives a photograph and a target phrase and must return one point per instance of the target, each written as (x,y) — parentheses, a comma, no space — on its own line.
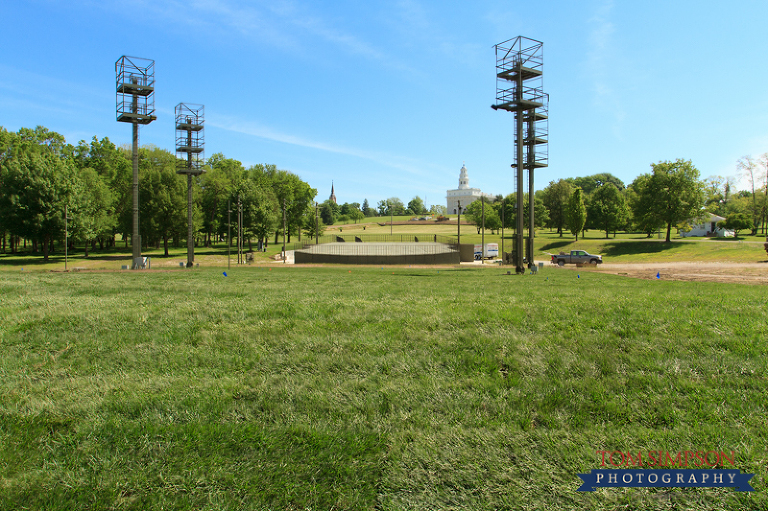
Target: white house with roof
(706,225)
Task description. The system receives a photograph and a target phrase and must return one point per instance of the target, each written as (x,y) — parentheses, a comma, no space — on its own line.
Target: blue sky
(389,98)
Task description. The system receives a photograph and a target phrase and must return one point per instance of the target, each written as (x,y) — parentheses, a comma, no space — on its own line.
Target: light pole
(503,206)
(391,217)
(229,229)
(239,230)
(66,241)
(317,226)
(459,223)
(283,231)
(482,239)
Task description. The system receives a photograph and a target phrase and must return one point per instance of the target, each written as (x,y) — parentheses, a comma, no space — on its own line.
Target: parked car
(576,257)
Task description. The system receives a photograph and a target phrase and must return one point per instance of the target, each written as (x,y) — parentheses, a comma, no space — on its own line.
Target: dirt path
(741,273)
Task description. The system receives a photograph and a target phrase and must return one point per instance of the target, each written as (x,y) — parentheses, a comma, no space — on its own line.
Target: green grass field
(625,248)
(349,388)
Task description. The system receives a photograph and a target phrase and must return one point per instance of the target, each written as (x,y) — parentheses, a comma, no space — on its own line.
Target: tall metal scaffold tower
(519,89)
(190,145)
(135,104)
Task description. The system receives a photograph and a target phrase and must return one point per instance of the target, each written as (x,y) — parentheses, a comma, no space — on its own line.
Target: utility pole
(482,242)
(229,229)
(317,226)
(66,237)
(459,223)
(283,231)
(239,230)
(503,207)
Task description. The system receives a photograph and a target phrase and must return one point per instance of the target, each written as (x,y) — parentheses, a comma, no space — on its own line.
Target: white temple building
(463,194)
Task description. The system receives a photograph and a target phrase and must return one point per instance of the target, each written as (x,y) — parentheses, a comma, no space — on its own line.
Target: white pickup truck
(576,257)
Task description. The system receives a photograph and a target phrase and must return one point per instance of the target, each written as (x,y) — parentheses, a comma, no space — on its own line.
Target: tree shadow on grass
(557,244)
(614,249)
(32,260)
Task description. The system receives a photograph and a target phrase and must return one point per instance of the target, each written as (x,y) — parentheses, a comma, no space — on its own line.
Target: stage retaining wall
(379,253)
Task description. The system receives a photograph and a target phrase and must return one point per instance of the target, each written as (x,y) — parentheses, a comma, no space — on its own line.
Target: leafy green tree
(367,209)
(509,206)
(416,206)
(216,186)
(589,184)
(763,162)
(671,194)
(42,137)
(737,222)
(36,185)
(92,210)
(352,211)
(163,198)
(438,209)
(492,220)
(395,206)
(555,197)
(329,212)
(540,213)
(262,213)
(608,209)
(294,195)
(576,213)
(748,168)
(38,178)
(7,140)
(474,213)
(507,211)
(641,203)
(109,164)
(312,224)
(391,206)
(348,208)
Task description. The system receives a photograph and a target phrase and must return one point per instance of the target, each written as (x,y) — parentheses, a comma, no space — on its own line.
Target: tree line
(670,196)
(332,213)
(41,177)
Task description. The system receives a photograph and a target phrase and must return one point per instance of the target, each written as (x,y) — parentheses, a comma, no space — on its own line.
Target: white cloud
(409,165)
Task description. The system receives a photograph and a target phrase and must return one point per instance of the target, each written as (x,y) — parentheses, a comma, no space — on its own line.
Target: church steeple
(333,195)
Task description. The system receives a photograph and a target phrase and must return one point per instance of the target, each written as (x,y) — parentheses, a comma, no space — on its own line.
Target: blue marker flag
(225,273)
(658,275)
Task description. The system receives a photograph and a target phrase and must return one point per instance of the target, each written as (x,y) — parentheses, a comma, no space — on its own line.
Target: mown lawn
(350,388)
(626,248)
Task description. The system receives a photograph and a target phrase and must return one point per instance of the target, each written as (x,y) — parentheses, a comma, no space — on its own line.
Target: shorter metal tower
(190,144)
(135,100)
(519,89)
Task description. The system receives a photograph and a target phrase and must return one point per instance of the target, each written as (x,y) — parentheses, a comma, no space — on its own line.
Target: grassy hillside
(625,248)
(337,388)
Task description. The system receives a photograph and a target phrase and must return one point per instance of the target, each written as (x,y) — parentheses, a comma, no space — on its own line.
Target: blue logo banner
(600,478)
